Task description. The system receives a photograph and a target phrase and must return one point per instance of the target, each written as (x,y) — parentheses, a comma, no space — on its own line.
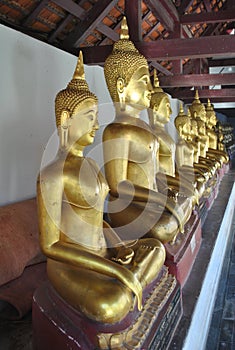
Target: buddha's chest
(84,185)
(142,146)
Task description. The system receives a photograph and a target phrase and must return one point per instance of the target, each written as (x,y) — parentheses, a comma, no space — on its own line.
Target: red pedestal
(56,325)
(226,167)
(182,254)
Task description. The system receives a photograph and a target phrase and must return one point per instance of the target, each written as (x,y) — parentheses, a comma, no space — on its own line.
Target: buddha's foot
(135,336)
(144,255)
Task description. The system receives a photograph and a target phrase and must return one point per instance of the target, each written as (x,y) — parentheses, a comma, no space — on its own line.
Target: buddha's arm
(122,253)
(49,195)
(177,182)
(219,153)
(116,157)
(131,191)
(194,170)
(78,257)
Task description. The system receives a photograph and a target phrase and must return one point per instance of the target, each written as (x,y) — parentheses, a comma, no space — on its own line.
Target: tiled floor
(17,335)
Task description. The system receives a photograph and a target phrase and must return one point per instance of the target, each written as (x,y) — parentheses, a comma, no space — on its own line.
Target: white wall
(32,73)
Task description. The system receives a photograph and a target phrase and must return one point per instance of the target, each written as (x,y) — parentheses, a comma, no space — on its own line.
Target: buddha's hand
(124,255)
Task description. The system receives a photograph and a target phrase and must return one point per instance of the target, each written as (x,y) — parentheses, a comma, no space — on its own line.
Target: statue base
(213,194)
(202,210)
(59,326)
(226,168)
(221,172)
(181,255)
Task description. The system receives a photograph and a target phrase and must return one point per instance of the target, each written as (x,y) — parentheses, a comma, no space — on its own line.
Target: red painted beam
(197,80)
(209,17)
(220,95)
(134,19)
(171,49)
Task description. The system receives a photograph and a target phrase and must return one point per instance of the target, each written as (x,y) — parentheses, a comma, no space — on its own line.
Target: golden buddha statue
(194,140)
(185,153)
(87,263)
(198,112)
(204,146)
(200,145)
(211,122)
(130,146)
(159,115)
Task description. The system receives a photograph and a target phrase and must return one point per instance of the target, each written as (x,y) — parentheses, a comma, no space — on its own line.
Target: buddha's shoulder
(117,129)
(52,172)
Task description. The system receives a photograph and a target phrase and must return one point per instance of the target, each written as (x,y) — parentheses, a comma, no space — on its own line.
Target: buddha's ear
(120,85)
(64,119)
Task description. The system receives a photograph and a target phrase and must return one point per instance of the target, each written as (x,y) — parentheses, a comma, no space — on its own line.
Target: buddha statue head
(198,108)
(127,74)
(183,123)
(160,108)
(76,110)
(201,126)
(194,128)
(210,115)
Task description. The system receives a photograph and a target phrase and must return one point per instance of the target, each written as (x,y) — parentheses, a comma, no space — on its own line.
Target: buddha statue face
(127,75)
(194,128)
(83,123)
(162,110)
(183,126)
(201,126)
(197,109)
(137,92)
(211,118)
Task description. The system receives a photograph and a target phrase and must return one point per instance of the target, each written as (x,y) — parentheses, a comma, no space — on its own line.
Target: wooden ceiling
(182,39)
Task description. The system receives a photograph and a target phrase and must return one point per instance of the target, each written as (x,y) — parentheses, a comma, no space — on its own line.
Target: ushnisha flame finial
(181,109)
(124,33)
(188,112)
(196,100)
(155,79)
(79,70)
(209,106)
(196,95)
(156,86)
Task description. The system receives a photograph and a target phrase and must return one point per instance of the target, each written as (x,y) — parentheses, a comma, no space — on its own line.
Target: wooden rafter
(71,7)
(83,29)
(59,28)
(107,31)
(197,80)
(209,17)
(134,19)
(207,5)
(161,13)
(184,6)
(160,68)
(35,12)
